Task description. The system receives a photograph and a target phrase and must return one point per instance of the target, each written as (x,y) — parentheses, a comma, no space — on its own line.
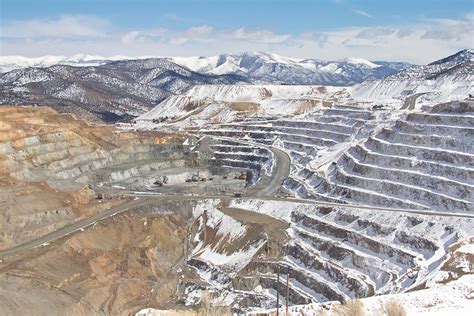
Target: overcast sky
(417,31)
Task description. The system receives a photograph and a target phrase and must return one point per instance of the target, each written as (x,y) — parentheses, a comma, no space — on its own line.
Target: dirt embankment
(117,267)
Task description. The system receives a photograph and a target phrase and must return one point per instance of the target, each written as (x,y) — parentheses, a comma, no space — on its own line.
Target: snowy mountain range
(257,67)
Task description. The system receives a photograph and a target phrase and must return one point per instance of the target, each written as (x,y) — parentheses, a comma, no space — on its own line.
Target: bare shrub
(208,309)
(394,308)
(322,312)
(350,308)
(205,307)
(244,106)
(221,311)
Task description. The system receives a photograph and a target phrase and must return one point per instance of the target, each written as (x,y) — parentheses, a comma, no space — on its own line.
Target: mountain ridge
(263,68)
(267,68)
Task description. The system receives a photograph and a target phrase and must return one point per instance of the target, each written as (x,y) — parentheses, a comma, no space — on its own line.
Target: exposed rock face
(49,162)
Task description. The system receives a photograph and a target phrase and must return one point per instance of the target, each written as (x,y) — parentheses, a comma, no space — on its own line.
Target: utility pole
(287,290)
(278,283)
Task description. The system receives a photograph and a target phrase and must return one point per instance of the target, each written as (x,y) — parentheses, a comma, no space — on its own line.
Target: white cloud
(363,13)
(198,30)
(130,37)
(207,34)
(404,32)
(447,29)
(66,26)
(371,33)
(260,36)
(194,33)
(143,36)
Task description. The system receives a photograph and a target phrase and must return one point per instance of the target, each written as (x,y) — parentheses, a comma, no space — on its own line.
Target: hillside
(443,80)
(108,92)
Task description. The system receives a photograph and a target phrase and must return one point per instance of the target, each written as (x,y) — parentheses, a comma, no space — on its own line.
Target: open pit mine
(231,199)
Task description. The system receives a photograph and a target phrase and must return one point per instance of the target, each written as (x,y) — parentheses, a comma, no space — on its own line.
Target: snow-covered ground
(434,91)
(453,298)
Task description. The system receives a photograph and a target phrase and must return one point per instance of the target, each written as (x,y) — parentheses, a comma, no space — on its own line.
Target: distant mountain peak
(465,55)
(360,61)
(271,68)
